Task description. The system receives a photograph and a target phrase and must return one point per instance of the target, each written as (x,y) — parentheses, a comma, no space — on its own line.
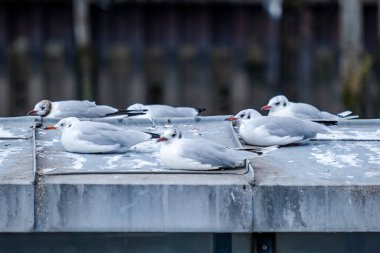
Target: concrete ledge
(316,209)
(205,206)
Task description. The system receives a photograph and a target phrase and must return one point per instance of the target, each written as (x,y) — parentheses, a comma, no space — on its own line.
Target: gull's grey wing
(286,126)
(306,111)
(161,111)
(83,109)
(186,112)
(208,152)
(106,134)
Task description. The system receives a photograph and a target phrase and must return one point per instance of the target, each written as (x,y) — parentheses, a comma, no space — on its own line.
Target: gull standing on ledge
(259,130)
(177,152)
(97,137)
(281,106)
(76,108)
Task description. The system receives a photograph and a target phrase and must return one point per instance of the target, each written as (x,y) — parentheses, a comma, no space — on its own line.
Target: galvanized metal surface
(348,156)
(327,185)
(17,170)
(143,158)
(17,150)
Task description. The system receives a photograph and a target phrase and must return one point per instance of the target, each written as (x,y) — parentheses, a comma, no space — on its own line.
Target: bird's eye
(242,116)
(43,107)
(278,103)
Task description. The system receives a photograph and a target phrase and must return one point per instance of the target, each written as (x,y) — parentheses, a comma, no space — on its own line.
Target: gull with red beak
(97,137)
(178,152)
(259,130)
(76,108)
(281,106)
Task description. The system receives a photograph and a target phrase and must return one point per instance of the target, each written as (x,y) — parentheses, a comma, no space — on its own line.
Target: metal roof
(53,159)
(329,184)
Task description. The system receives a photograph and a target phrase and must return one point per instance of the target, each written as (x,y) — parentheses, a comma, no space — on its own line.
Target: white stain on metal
(112,161)
(372,173)
(7,151)
(350,135)
(5,133)
(330,158)
(78,160)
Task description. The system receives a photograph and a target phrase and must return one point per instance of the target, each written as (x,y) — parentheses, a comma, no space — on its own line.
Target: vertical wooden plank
(273,52)
(101,36)
(241,93)
(351,48)
(137,82)
(4,81)
(36,90)
(305,57)
(204,79)
(172,86)
(58,62)
(155,54)
(19,60)
(255,58)
(82,38)
(350,34)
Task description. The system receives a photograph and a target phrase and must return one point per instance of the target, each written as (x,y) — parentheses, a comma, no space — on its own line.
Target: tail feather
(126,112)
(200,109)
(346,115)
(154,136)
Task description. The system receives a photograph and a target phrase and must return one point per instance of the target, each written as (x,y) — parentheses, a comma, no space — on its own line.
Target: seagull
(177,152)
(76,108)
(90,137)
(280,106)
(165,111)
(258,130)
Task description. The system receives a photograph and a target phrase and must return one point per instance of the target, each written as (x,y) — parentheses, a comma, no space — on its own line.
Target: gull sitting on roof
(259,130)
(97,137)
(76,108)
(178,152)
(165,111)
(281,106)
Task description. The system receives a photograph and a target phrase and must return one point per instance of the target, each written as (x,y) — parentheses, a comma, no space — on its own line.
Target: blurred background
(222,55)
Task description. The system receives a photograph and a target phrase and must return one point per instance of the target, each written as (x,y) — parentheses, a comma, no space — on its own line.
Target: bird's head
(245,115)
(42,109)
(276,103)
(170,135)
(63,124)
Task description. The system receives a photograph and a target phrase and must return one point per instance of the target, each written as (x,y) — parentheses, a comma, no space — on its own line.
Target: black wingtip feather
(154,136)
(201,109)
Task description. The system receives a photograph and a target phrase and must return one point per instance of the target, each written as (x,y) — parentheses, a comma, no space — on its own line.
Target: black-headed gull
(76,108)
(177,152)
(281,106)
(259,130)
(165,111)
(97,137)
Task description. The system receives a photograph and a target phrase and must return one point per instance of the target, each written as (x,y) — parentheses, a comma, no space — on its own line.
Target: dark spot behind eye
(249,116)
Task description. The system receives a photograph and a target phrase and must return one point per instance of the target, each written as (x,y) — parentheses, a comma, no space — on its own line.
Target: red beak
(265,108)
(162,139)
(50,127)
(32,113)
(232,118)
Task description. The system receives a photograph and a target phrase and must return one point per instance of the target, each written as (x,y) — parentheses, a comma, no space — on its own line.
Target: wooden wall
(225,57)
